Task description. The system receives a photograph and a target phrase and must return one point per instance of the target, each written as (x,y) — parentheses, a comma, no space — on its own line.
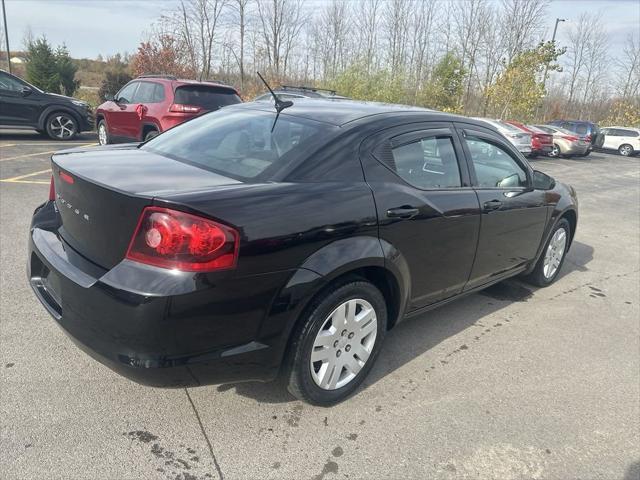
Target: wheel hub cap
(343,344)
(62,126)
(555,252)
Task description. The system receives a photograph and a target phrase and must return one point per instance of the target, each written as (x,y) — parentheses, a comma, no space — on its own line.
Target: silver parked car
(521,140)
(565,143)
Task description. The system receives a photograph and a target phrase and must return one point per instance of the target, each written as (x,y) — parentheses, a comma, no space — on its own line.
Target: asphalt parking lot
(515,382)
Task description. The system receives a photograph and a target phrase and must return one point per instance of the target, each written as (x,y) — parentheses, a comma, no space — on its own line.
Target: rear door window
(144,94)
(205,97)
(427,163)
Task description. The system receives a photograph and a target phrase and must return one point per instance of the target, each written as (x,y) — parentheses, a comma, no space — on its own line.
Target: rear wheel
(150,134)
(555,151)
(552,258)
(337,343)
(625,150)
(61,126)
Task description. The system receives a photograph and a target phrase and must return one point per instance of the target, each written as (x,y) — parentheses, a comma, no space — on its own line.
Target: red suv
(151,104)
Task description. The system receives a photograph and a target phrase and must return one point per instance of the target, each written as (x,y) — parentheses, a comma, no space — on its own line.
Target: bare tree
(629,65)
(241,12)
(366,27)
(395,23)
(523,22)
(280,24)
(577,52)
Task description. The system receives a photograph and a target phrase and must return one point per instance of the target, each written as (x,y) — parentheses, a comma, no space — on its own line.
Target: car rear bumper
(193,333)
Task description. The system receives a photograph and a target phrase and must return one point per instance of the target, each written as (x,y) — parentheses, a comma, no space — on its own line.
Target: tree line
(474,57)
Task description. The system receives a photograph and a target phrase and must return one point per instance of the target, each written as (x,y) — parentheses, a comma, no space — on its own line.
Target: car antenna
(279,104)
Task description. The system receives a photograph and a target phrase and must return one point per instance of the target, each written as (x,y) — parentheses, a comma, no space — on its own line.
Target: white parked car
(521,140)
(626,140)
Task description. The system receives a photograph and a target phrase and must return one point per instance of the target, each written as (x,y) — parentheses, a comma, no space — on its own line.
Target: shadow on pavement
(415,336)
(33,136)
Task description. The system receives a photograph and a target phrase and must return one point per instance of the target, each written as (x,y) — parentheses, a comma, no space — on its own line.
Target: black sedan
(245,244)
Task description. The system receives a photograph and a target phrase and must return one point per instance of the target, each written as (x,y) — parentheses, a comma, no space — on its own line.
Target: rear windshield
(241,144)
(208,98)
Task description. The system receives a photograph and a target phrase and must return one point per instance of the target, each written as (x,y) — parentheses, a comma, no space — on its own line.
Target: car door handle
(402,212)
(492,205)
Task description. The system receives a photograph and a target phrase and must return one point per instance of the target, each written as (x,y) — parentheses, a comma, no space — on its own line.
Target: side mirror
(26,91)
(542,181)
(110,98)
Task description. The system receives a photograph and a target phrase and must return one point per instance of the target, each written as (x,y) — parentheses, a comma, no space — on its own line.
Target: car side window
(628,133)
(494,166)
(427,163)
(9,83)
(146,93)
(126,94)
(158,93)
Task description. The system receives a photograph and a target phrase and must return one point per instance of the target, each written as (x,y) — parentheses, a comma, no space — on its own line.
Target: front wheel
(337,343)
(549,265)
(103,133)
(625,150)
(61,126)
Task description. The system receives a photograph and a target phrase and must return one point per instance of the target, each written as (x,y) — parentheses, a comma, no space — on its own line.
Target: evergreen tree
(66,70)
(41,66)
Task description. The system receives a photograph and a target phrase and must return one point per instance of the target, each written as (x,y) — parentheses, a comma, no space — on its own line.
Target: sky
(92,27)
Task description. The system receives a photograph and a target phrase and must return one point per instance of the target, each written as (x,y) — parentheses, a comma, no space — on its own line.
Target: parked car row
(151,104)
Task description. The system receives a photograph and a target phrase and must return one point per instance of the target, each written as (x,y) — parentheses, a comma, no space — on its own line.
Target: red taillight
(588,138)
(52,190)
(65,177)
(171,239)
(180,108)
(571,138)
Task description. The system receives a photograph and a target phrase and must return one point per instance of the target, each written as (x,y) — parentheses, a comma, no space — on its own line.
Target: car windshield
(241,144)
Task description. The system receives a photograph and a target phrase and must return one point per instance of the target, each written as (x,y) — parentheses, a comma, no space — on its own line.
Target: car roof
(635,129)
(340,112)
(179,82)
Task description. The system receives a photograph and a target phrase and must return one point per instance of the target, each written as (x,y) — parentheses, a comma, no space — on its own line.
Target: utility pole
(553,41)
(6,35)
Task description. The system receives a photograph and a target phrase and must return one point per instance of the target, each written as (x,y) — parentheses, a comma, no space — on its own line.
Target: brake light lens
(180,108)
(571,138)
(180,241)
(65,177)
(588,138)
(52,190)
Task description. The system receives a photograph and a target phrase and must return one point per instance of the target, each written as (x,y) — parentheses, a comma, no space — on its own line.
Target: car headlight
(80,104)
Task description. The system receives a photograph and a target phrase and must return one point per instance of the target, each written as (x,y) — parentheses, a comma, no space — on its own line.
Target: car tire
(150,135)
(625,150)
(348,350)
(550,262)
(555,151)
(103,133)
(61,126)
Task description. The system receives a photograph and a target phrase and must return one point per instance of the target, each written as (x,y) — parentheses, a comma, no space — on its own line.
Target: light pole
(553,41)
(6,35)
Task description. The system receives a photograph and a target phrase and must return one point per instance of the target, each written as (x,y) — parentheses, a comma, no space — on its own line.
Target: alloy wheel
(555,252)
(61,126)
(555,151)
(102,134)
(625,150)
(343,344)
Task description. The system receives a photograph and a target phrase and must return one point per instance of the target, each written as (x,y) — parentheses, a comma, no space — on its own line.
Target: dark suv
(585,130)
(151,104)
(24,105)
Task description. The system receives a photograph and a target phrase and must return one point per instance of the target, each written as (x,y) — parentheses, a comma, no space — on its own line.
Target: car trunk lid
(100,194)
